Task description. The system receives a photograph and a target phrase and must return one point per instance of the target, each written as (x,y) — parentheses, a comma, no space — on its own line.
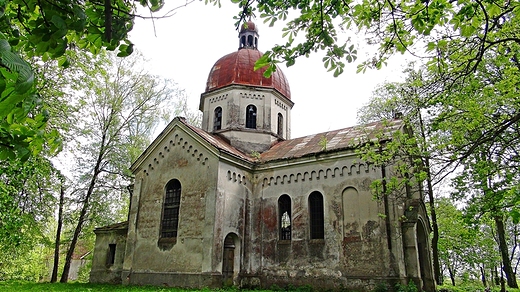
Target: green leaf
(515,215)
(262,61)
(63,61)
(59,22)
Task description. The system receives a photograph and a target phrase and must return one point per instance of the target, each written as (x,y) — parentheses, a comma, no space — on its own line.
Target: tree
(465,246)
(57,242)
(120,104)
(477,125)
(473,125)
(47,29)
(27,196)
(454,237)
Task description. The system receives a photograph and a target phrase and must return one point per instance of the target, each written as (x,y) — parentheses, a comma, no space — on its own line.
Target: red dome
(238,68)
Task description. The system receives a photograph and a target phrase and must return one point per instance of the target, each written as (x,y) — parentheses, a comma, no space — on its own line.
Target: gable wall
(180,157)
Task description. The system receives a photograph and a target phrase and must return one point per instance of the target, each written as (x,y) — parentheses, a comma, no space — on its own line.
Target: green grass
(470,287)
(19,286)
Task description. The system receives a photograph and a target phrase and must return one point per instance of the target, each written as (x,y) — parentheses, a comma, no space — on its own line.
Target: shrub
(381,287)
(406,288)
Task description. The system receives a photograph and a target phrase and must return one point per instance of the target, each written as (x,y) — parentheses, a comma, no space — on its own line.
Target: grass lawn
(19,286)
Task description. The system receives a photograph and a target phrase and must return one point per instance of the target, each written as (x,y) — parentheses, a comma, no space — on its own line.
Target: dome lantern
(248,36)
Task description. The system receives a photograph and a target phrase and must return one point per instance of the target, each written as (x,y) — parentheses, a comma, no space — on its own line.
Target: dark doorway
(228,264)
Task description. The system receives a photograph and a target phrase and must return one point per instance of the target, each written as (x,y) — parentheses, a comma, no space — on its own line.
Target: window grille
(316,215)
(170,218)
(217,122)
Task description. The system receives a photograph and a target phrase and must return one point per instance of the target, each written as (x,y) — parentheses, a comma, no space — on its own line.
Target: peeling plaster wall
(178,157)
(354,253)
(234,101)
(102,271)
(233,193)
(279,105)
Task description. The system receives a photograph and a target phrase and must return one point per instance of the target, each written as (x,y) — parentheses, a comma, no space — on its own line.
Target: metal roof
(342,139)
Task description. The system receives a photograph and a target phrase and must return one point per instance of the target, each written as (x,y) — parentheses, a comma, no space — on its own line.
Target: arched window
(217,120)
(280,124)
(251,117)
(284,217)
(316,215)
(170,217)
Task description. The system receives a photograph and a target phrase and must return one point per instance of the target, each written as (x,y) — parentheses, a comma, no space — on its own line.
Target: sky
(184,48)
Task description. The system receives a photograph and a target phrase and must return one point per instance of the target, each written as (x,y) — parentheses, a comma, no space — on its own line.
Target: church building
(238,202)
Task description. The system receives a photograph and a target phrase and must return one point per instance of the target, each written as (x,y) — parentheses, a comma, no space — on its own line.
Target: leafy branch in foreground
(420,28)
(47,30)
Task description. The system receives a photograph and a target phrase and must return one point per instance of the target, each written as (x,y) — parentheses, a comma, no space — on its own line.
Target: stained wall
(179,261)
(355,250)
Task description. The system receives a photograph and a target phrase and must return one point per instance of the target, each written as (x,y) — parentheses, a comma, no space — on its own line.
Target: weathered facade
(237,202)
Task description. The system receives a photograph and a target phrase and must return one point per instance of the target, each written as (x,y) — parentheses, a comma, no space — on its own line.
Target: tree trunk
(504,252)
(435,237)
(483,277)
(54,276)
(435,227)
(452,276)
(83,212)
(79,226)
(495,276)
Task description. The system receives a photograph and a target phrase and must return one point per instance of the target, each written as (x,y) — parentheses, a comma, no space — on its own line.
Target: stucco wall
(234,191)
(234,100)
(180,157)
(102,270)
(354,252)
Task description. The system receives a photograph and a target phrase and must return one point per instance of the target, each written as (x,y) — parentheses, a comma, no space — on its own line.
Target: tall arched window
(251,117)
(170,217)
(280,124)
(284,217)
(217,120)
(316,215)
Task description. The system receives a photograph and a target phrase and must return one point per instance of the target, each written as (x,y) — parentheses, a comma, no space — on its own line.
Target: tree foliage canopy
(422,28)
(46,30)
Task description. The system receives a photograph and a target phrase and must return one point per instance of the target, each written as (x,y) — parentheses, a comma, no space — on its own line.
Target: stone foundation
(180,280)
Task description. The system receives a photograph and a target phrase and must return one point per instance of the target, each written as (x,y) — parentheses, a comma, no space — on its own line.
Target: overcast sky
(185,46)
